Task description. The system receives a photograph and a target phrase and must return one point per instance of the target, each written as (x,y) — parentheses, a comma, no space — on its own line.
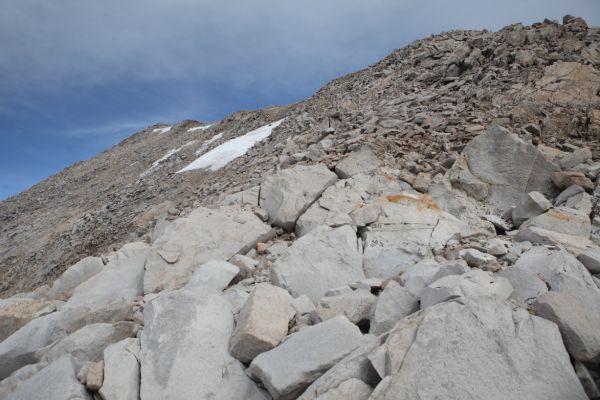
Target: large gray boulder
(325,258)
(205,234)
(533,204)
(57,381)
(121,371)
(185,349)
(394,303)
(289,368)
(407,229)
(475,349)
(15,312)
(526,286)
(288,194)
(362,161)
(262,323)
(80,272)
(501,168)
(122,277)
(563,220)
(475,283)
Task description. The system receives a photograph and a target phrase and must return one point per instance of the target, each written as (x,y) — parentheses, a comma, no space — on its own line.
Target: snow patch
(221,155)
(162,130)
(200,128)
(205,145)
(156,164)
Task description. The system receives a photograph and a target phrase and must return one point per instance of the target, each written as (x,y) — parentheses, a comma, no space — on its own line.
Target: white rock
(475,283)
(15,312)
(394,303)
(262,323)
(526,286)
(361,161)
(496,247)
(355,305)
(289,368)
(567,193)
(290,192)
(476,258)
(63,287)
(580,202)
(476,349)
(8,385)
(591,260)
(533,204)
(562,220)
(325,258)
(213,275)
(57,381)
(419,275)
(352,389)
(121,371)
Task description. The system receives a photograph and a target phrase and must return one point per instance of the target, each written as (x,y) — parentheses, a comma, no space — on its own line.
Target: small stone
(565,179)
(261,248)
(261,213)
(422,182)
(95,376)
(170,257)
(496,247)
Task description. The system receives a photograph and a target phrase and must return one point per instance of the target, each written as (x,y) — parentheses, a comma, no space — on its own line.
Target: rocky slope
(425,228)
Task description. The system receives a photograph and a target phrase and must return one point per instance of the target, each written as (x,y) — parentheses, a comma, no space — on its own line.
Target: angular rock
(362,161)
(567,193)
(419,275)
(526,286)
(8,385)
(205,234)
(63,287)
(563,180)
(122,277)
(533,204)
(436,353)
(579,156)
(496,247)
(16,312)
(262,323)
(580,202)
(575,313)
(352,389)
(562,220)
(575,244)
(355,305)
(57,381)
(121,371)
(507,166)
(325,258)
(587,381)
(95,376)
(475,283)
(394,303)
(289,193)
(476,258)
(213,275)
(185,349)
(88,343)
(289,368)
(591,260)
(245,197)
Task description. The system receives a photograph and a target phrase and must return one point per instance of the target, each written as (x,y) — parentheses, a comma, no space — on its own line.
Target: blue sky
(77,76)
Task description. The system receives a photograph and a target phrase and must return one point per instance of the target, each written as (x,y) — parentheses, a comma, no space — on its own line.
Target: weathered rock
(506,166)
(419,275)
(475,283)
(567,193)
(57,381)
(16,312)
(290,192)
(213,275)
(121,371)
(534,203)
(575,244)
(355,305)
(571,160)
(245,197)
(262,323)
(565,179)
(289,368)
(352,389)
(562,220)
(122,277)
(478,259)
(63,287)
(185,349)
(394,303)
(325,258)
(361,161)
(435,353)
(526,286)
(205,234)
(19,348)
(591,260)
(496,247)
(89,342)
(587,381)
(247,265)
(95,376)
(581,202)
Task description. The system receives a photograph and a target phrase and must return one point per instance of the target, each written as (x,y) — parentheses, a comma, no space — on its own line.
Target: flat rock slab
(562,220)
(475,349)
(205,234)
(57,381)
(122,371)
(506,167)
(185,349)
(323,259)
(362,161)
(289,368)
(290,192)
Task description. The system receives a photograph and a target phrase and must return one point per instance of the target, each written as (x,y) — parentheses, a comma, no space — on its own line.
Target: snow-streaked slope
(162,130)
(205,145)
(156,164)
(221,155)
(200,128)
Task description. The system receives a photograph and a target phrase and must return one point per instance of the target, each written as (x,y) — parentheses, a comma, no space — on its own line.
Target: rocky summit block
(323,259)
(498,167)
(288,194)
(289,368)
(475,349)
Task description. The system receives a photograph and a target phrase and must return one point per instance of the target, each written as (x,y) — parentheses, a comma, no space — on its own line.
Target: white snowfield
(156,164)
(205,145)
(200,128)
(162,130)
(221,155)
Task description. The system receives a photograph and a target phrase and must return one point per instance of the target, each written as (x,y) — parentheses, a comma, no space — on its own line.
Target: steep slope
(417,108)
